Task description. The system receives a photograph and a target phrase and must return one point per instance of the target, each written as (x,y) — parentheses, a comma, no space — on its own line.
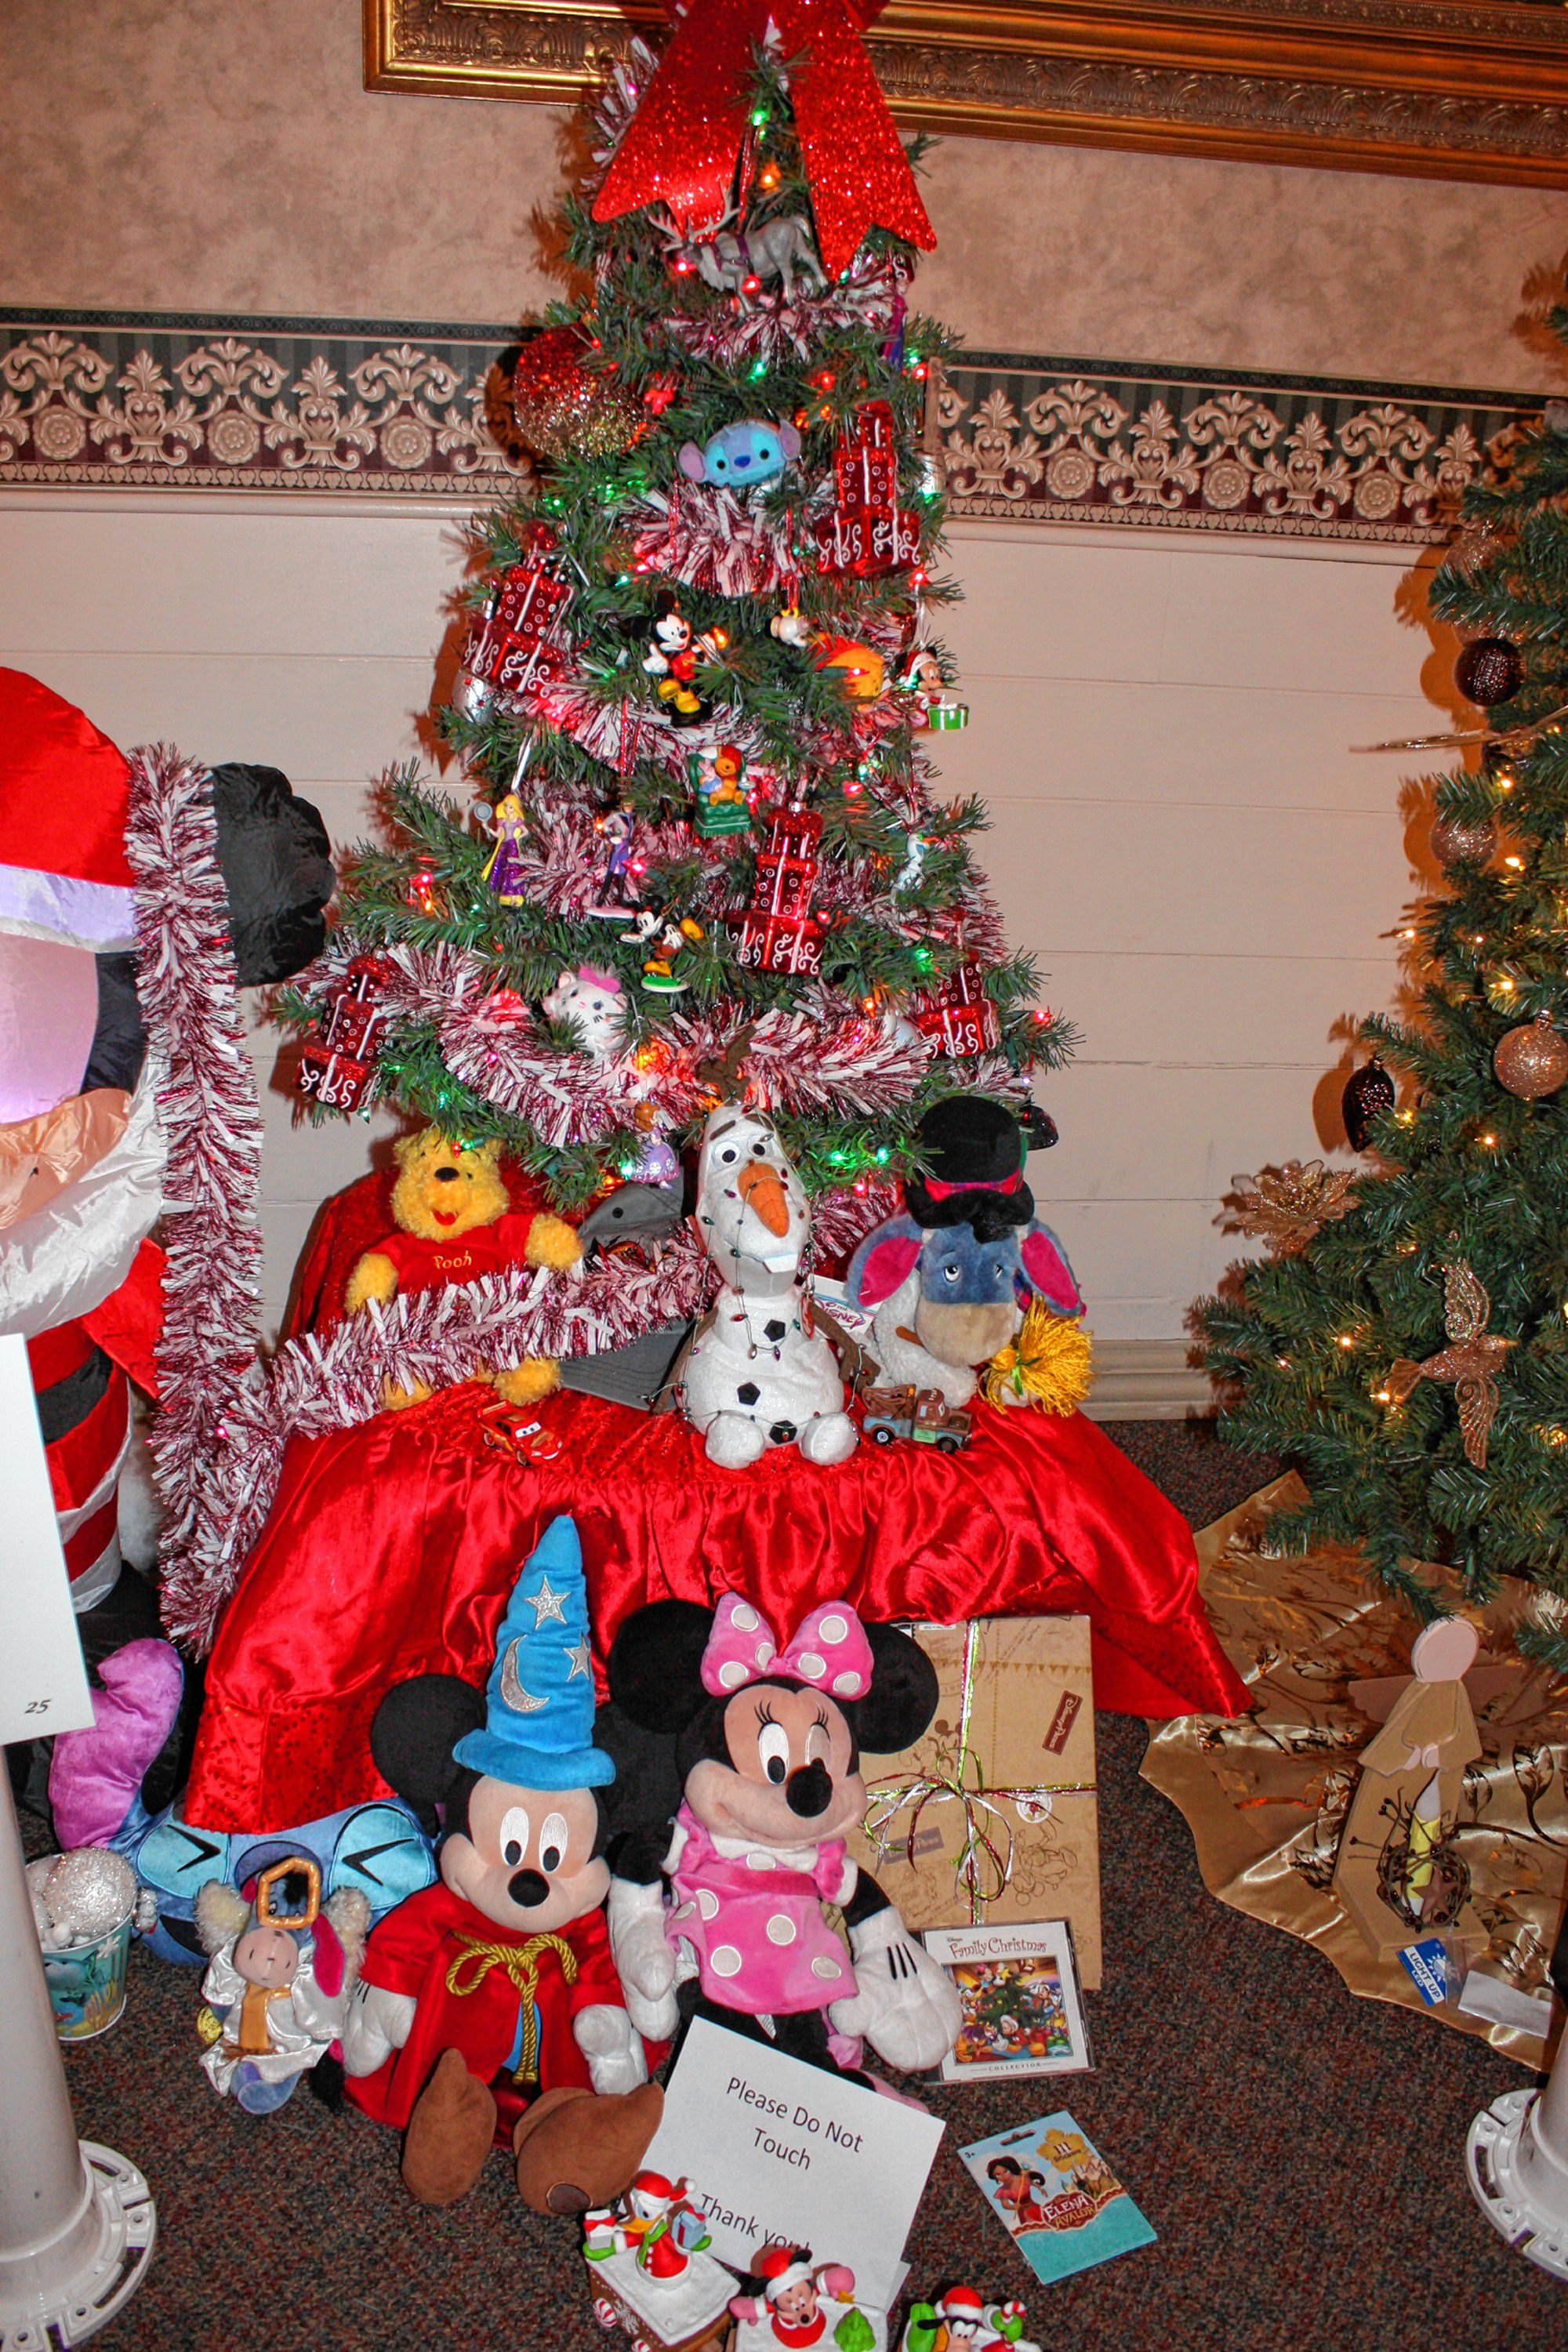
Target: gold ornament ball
(563,406)
(1532,1060)
(1458,841)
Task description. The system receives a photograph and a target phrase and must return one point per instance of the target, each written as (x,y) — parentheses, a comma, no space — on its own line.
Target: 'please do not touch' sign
(776,2150)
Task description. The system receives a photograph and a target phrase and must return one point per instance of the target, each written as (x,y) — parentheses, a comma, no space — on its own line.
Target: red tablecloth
(392,1550)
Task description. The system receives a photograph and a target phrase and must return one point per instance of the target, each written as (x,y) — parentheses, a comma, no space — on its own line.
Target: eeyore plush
(949,1279)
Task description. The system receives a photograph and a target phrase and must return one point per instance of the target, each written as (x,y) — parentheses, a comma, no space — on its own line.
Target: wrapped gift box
(997,1800)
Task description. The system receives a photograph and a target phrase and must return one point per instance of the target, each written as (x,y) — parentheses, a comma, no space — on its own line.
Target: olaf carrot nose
(761,1189)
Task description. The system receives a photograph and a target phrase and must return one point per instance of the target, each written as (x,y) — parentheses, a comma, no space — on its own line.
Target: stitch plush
(742,456)
(949,1278)
(455,1223)
(740,1775)
(488,2012)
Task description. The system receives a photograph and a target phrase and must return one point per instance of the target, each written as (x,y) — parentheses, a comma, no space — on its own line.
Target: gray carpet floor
(1301,2154)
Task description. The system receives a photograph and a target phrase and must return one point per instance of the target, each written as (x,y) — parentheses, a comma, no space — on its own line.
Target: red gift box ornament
(515,642)
(338,1068)
(868,531)
(778,931)
(958,1017)
(684,142)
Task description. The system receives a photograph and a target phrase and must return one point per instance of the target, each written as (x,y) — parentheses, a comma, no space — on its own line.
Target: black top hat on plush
(974,1150)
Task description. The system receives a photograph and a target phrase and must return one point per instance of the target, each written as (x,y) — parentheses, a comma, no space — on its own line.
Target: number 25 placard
(43,1683)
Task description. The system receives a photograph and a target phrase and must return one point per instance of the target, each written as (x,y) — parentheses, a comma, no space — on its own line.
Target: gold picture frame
(1457,89)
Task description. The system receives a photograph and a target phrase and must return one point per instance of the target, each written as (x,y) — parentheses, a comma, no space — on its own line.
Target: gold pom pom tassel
(1050,1364)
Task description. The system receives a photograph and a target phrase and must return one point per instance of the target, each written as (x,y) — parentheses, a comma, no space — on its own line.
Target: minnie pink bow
(829,1649)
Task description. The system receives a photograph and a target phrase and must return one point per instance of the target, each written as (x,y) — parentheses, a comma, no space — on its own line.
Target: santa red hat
(961,2303)
(783,2267)
(654,2184)
(64,796)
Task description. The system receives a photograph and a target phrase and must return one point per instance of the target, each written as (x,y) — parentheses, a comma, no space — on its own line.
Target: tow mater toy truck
(923,1415)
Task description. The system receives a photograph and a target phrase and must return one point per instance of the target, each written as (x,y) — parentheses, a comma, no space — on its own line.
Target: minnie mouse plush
(738,1775)
(487,2009)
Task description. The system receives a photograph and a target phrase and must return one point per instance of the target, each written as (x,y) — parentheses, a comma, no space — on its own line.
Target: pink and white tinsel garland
(434,1337)
(774,330)
(212,1124)
(827,1054)
(854,1064)
(709,539)
(840,1221)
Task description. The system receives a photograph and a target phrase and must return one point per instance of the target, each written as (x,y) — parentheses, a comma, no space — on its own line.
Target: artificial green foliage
(1461,1171)
(425,885)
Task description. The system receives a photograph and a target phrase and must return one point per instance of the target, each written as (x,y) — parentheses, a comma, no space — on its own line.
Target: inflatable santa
(84,1054)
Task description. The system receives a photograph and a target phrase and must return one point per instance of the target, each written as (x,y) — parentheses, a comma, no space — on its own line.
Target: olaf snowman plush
(757,1374)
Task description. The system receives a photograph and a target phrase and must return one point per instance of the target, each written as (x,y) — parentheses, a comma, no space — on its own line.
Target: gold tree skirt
(1266,1796)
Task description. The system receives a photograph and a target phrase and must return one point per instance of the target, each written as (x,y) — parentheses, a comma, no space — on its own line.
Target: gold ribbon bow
(984,1865)
(473,1964)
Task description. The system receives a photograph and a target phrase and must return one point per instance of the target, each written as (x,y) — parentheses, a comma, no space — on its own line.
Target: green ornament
(855,2333)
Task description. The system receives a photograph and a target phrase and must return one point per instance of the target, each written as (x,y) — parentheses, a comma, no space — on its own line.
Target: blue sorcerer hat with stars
(538,1700)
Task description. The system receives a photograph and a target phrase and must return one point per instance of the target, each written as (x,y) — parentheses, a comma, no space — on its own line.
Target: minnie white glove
(905,2005)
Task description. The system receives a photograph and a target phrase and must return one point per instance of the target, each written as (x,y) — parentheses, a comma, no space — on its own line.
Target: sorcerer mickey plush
(488,2012)
(455,1223)
(739,1774)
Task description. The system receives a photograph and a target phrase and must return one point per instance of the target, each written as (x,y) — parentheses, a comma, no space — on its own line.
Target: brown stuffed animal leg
(576,2149)
(450,2132)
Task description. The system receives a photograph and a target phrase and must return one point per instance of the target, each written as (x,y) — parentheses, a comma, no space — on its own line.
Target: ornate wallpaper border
(362,407)
(230,404)
(1045,440)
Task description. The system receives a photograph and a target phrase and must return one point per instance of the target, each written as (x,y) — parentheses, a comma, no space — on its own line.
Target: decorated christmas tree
(1406,1340)
(702,857)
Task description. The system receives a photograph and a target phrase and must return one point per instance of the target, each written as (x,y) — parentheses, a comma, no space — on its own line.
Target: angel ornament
(1472,1360)
(1399,1872)
(282,1966)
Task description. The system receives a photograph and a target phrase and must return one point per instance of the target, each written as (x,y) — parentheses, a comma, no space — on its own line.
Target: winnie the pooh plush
(454,1224)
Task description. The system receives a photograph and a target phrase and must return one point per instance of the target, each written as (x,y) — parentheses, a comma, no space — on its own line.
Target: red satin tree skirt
(392,1547)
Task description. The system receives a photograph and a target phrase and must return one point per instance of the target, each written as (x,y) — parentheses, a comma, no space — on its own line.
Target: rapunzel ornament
(502,868)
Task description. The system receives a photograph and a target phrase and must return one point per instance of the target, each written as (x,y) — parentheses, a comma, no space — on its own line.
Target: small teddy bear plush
(455,1224)
(488,2010)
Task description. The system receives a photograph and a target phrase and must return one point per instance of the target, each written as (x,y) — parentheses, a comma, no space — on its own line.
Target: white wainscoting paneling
(1160,727)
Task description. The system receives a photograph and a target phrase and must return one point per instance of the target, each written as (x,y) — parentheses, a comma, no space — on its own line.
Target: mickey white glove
(378,2022)
(603,2034)
(905,2005)
(644,1959)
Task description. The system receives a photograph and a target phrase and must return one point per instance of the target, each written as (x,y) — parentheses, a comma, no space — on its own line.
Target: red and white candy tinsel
(211,1125)
(709,539)
(436,1338)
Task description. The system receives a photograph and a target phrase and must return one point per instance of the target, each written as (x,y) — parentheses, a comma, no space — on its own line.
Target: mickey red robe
(451,1959)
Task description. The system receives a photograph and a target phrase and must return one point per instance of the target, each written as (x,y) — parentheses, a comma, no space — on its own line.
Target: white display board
(43,1682)
(776,2150)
